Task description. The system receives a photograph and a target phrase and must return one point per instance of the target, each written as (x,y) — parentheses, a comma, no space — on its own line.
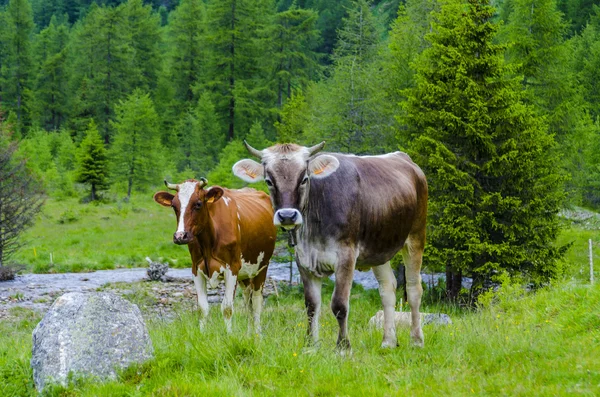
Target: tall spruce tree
(18,68)
(103,69)
(92,161)
(51,92)
(238,63)
(495,187)
(135,151)
(294,37)
(537,32)
(186,61)
(144,26)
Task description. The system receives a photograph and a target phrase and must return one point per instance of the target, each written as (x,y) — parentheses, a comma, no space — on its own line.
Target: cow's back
(255,215)
(373,202)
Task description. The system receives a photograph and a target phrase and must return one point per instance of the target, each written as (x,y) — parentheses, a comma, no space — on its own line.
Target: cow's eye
(304,180)
(269,183)
(198,205)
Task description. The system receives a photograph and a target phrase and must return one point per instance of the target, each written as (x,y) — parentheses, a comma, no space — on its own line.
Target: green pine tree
(347,110)
(102,67)
(92,161)
(135,151)
(17,71)
(495,185)
(294,37)
(144,27)
(51,92)
(238,62)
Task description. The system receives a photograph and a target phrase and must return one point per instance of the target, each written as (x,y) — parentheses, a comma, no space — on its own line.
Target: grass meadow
(517,343)
(87,237)
(520,343)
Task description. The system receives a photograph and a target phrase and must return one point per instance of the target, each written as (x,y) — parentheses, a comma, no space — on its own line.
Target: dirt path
(38,291)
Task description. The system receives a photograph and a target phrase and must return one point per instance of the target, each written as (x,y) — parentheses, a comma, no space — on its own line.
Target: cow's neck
(207,239)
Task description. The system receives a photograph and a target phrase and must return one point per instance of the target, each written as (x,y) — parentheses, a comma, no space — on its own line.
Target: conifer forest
(497,101)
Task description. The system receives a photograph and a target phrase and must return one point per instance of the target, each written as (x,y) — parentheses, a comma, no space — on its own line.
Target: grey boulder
(88,334)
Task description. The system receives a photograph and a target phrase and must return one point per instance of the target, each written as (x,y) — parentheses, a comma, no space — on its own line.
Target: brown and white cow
(230,235)
(347,212)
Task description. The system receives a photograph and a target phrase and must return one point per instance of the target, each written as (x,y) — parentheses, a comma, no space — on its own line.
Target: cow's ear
(213,194)
(164,198)
(249,171)
(322,166)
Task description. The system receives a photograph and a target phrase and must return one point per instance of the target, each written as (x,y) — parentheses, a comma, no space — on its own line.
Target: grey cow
(347,212)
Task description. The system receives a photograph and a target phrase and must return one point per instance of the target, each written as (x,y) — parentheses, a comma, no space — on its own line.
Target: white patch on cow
(186,190)
(320,259)
(215,279)
(298,157)
(250,270)
(226,200)
(238,214)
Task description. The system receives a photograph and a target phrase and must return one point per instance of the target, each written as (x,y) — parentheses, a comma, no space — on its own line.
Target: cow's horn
(171,185)
(254,152)
(317,148)
(203,182)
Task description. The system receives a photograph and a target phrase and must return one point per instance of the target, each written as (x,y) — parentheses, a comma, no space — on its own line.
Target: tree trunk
(93,192)
(129,186)
(453,283)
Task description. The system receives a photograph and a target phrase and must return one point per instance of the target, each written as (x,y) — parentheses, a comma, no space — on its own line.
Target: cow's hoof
(389,344)
(417,338)
(344,352)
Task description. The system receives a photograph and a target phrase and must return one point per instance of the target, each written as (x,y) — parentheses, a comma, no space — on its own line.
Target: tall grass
(518,344)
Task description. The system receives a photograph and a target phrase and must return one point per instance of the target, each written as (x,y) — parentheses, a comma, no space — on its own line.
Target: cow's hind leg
(312,300)
(412,253)
(387,291)
(202,295)
(340,301)
(227,303)
(247,291)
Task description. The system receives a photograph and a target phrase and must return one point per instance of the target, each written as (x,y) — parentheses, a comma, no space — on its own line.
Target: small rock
(91,334)
(157,271)
(403,319)
(177,294)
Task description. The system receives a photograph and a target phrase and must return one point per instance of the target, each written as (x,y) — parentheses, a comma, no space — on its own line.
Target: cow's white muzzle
(288,218)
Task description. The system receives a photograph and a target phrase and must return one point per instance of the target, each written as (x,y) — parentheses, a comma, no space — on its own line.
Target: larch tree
(347,108)
(92,161)
(20,200)
(494,177)
(135,151)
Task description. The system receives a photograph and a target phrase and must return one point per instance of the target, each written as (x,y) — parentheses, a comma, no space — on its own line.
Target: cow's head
(287,170)
(191,207)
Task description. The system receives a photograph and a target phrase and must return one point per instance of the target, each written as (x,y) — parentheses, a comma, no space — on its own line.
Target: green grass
(522,344)
(84,237)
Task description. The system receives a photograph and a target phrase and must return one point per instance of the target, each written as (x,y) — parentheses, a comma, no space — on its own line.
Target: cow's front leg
(202,295)
(227,303)
(340,301)
(312,301)
(387,291)
(257,304)
(247,291)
